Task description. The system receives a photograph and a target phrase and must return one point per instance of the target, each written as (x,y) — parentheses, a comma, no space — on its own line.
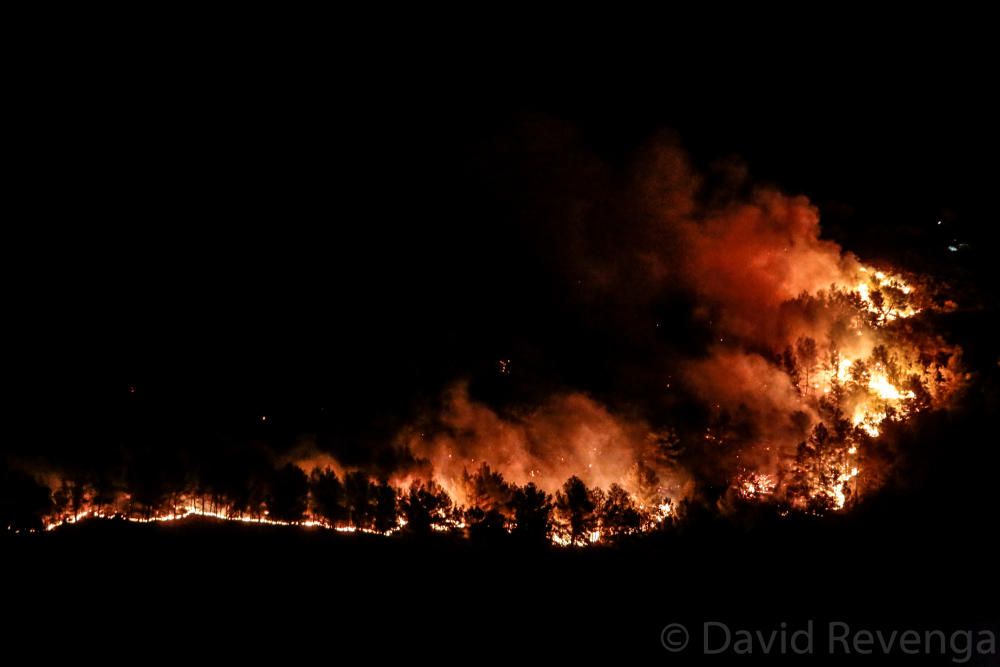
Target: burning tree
(487,490)
(576,510)
(426,507)
(620,515)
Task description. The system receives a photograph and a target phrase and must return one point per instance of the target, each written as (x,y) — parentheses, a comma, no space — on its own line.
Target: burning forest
(807,362)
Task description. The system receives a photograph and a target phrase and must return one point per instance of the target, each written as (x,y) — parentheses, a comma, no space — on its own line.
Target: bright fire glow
(880,385)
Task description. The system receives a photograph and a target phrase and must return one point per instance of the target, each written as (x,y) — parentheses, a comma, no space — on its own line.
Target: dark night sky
(331,242)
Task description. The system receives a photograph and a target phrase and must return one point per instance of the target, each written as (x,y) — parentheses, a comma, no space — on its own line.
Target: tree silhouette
(818,465)
(243,481)
(105,493)
(148,481)
(489,497)
(70,499)
(254,496)
(878,300)
(424,506)
(576,507)
(619,514)
(532,514)
(386,507)
(921,397)
(789,365)
(289,494)
(666,447)
(859,374)
(329,498)
(806,355)
(487,489)
(360,499)
(831,404)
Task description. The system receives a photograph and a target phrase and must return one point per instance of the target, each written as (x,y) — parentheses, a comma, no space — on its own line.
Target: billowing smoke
(786,333)
(570,434)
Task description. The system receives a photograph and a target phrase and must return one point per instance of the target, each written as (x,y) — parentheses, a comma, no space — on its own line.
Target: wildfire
(189,511)
(880,385)
(848,387)
(443,521)
(885,296)
(868,421)
(845,383)
(808,358)
(843,368)
(840,497)
(865,370)
(756,485)
(869,414)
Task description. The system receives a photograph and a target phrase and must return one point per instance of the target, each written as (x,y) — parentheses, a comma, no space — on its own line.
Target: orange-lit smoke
(568,435)
(764,283)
